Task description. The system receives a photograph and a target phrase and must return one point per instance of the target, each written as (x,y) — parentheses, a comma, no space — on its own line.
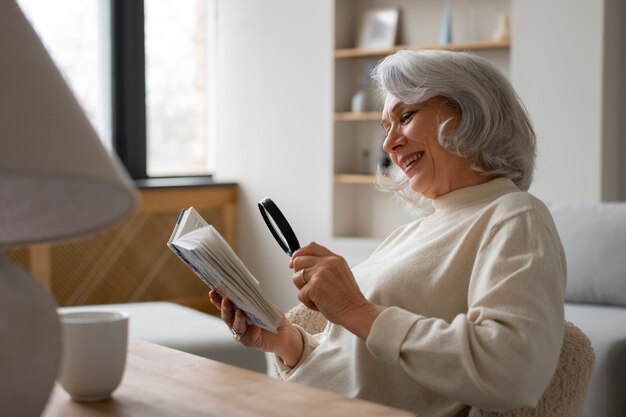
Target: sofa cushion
(594,239)
(604,325)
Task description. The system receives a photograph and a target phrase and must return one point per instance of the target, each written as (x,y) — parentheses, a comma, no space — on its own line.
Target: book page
(188,221)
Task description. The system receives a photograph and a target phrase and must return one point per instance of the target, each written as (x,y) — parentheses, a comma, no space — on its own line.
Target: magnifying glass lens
(277,232)
(279,226)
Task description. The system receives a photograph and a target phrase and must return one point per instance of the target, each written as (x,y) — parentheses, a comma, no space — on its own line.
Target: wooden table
(161,382)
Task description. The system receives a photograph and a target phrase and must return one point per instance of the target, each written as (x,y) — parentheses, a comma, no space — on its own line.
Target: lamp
(56,181)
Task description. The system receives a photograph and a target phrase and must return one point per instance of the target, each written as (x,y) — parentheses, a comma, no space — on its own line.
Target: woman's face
(411,142)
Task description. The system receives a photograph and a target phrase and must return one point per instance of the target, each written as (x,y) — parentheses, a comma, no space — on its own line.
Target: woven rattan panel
(127,263)
(17,256)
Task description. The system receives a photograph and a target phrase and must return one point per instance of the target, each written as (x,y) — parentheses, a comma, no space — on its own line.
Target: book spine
(180,216)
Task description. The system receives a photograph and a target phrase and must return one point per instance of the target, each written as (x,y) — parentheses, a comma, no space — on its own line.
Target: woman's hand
(286,343)
(327,284)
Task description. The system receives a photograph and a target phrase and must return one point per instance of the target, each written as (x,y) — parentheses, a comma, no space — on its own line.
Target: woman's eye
(406,117)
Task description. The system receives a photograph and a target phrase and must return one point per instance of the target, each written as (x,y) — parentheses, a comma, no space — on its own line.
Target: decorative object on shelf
(503,29)
(56,181)
(359,102)
(445,37)
(378,29)
(364,100)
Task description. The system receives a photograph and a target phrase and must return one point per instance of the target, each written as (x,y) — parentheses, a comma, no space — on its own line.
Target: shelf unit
(360,212)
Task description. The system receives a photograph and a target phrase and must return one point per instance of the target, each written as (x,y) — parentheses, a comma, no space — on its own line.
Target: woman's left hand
(326,283)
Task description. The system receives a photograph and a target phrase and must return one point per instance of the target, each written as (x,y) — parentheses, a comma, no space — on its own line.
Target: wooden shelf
(466,46)
(357,117)
(354,179)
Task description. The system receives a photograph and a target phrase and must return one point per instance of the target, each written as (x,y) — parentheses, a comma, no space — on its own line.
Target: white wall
(564,67)
(274,131)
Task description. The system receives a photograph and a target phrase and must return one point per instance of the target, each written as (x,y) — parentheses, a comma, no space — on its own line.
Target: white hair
(495,131)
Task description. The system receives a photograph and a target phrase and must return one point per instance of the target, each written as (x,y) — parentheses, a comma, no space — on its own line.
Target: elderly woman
(462,306)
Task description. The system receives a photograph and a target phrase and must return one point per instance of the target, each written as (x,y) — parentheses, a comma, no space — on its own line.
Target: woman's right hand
(287,342)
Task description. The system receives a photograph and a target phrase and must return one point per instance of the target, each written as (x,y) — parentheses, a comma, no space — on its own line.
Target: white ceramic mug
(94,347)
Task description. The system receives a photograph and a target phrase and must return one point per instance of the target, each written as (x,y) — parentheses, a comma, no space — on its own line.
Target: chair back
(566,393)
(311,321)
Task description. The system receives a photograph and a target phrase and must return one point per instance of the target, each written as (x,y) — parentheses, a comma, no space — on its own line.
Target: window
(76,34)
(144,72)
(178,64)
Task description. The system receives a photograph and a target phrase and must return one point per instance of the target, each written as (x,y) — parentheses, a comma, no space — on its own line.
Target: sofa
(594,239)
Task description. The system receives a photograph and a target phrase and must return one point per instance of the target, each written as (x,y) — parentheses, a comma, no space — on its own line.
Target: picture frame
(379,28)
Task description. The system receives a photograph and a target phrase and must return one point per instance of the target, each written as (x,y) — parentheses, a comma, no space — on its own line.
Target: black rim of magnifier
(267,206)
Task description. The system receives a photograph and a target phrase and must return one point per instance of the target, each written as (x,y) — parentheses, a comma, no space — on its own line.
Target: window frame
(128,86)
(128,89)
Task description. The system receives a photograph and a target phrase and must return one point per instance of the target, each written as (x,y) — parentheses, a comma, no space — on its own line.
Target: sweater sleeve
(310,343)
(502,353)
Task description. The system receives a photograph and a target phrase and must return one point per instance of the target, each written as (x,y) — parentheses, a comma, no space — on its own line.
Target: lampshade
(56,181)
(56,178)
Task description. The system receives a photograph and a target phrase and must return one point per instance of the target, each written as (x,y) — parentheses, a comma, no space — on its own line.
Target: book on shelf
(211,258)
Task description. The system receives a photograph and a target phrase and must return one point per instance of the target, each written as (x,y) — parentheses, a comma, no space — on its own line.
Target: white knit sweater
(475,310)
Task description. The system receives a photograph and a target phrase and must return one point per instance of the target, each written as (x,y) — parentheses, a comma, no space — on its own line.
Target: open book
(206,252)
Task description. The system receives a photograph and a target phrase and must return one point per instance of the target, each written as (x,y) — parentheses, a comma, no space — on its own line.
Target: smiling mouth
(412,160)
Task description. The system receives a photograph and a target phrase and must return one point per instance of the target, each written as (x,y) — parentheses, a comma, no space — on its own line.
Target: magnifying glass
(279,226)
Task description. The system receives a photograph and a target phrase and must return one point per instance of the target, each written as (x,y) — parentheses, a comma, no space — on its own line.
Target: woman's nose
(393,140)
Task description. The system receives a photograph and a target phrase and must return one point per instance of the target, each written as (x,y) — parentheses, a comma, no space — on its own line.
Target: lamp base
(30,348)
